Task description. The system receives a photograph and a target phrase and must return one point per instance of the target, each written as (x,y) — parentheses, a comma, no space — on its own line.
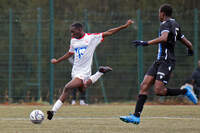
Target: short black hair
(77,25)
(167,9)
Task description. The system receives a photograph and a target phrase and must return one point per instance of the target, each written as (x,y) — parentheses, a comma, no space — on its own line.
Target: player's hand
(129,22)
(54,61)
(190,52)
(140,43)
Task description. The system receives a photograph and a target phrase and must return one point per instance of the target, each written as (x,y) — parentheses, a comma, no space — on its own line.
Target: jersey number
(80,51)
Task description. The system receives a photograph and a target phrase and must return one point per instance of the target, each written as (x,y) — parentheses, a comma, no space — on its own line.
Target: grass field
(102,119)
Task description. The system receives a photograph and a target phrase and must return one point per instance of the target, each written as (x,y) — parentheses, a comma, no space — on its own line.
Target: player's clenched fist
(54,61)
(129,22)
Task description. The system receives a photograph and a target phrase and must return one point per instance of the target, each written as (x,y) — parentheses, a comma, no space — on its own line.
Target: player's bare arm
(162,38)
(187,43)
(66,56)
(115,30)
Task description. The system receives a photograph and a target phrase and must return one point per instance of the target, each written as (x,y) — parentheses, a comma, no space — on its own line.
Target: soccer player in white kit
(82,46)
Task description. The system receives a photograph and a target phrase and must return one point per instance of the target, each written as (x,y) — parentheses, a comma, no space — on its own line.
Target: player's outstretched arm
(162,38)
(188,44)
(66,56)
(115,30)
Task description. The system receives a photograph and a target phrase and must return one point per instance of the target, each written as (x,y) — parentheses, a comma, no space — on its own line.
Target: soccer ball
(36,116)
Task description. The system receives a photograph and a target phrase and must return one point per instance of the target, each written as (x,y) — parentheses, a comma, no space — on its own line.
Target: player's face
(76,32)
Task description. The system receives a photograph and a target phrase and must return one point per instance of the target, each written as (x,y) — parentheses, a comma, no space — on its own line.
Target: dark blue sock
(175,92)
(139,105)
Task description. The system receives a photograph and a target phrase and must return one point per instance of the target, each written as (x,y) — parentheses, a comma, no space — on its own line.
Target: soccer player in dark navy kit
(159,73)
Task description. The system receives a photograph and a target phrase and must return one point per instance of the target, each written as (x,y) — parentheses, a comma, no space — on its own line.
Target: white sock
(96,76)
(57,105)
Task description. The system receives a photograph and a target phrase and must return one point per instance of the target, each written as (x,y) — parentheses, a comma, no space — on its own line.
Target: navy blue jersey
(166,49)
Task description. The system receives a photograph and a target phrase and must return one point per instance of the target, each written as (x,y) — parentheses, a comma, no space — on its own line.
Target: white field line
(101,118)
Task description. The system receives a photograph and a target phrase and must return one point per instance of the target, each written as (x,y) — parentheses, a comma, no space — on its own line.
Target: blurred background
(34,31)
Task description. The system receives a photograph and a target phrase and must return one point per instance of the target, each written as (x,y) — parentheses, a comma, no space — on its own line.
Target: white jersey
(83,50)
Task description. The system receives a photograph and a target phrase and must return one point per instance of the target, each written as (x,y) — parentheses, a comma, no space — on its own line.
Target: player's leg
(145,85)
(161,90)
(74,91)
(82,96)
(75,83)
(144,88)
(102,70)
(162,78)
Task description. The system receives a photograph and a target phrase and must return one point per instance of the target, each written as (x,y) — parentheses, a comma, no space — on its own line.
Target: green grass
(102,119)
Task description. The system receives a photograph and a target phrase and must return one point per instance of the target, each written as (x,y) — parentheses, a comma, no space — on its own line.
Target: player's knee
(87,84)
(158,91)
(159,88)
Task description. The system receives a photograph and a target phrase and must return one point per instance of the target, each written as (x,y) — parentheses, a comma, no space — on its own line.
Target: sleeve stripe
(102,37)
(182,36)
(164,31)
